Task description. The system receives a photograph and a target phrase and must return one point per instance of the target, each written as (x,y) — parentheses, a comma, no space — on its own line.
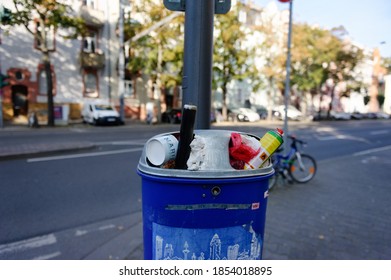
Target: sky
(368,22)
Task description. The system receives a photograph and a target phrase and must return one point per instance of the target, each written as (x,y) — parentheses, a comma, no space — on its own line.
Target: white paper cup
(161,149)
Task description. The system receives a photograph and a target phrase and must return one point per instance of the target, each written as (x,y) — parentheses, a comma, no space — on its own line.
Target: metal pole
(198,55)
(1,91)
(287,79)
(121,62)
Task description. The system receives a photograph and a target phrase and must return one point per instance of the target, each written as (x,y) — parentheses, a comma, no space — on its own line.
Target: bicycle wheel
(303,170)
(272,181)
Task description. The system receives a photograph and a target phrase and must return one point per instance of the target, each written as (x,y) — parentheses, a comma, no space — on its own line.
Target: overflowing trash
(189,151)
(241,151)
(214,200)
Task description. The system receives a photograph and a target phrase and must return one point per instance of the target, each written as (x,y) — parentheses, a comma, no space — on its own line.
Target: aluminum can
(270,142)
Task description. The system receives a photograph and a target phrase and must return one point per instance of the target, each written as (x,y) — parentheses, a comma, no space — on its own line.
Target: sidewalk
(342,214)
(330,218)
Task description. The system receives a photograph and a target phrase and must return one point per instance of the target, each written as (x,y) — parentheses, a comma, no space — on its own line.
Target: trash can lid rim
(222,138)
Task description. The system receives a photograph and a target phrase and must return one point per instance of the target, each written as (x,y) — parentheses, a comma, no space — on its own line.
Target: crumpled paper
(197,154)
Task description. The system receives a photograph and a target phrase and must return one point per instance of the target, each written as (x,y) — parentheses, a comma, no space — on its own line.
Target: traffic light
(5,15)
(4,80)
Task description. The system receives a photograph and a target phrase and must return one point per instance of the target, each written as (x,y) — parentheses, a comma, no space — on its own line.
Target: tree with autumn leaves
(159,53)
(49,16)
(231,60)
(319,55)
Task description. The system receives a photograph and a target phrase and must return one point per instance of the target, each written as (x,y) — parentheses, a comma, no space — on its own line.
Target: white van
(100,113)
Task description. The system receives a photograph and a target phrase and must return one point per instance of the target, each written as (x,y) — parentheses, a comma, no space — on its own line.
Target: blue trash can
(217,213)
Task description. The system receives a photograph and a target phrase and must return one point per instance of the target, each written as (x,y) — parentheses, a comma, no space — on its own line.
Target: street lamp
(287,78)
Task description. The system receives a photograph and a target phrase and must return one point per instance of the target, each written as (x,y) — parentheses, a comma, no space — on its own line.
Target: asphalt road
(83,195)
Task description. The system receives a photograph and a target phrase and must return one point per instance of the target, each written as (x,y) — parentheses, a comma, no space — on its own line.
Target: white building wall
(387,94)
(17,51)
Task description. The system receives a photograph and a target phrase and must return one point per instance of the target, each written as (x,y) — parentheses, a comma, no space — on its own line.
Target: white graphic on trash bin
(231,243)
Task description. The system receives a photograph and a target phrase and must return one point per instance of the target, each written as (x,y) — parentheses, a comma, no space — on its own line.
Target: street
(63,206)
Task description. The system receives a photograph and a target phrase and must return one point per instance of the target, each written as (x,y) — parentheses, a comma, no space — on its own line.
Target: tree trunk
(320,107)
(320,103)
(332,95)
(49,84)
(224,104)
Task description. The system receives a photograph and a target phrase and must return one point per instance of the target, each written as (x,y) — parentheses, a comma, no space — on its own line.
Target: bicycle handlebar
(293,144)
(294,139)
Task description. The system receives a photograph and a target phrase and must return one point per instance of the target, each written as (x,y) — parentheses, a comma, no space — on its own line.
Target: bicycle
(295,166)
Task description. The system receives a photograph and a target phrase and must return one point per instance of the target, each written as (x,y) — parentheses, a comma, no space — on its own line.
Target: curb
(7,153)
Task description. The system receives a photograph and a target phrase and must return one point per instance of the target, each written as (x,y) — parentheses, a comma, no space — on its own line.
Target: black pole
(198,57)
(49,83)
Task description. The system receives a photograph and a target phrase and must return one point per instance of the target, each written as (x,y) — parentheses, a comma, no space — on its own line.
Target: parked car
(243,115)
(370,115)
(357,116)
(382,115)
(340,115)
(262,111)
(97,113)
(292,113)
(172,116)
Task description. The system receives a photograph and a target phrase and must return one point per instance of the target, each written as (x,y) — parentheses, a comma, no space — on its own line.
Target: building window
(89,3)
(49,34)
(42,83)
(19,76)
(90,42)
(42,80)
(90,81)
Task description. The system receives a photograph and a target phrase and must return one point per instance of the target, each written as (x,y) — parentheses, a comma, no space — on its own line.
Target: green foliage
(160,52)
(273,54)
(231,59)
(318,54)
(387,64)
(48,14)
(312,50)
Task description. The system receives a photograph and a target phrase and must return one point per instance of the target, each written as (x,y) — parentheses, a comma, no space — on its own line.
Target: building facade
(87,67)
(82,68)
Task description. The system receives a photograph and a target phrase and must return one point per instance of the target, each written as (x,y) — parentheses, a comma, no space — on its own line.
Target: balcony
(92,60)
(93,18)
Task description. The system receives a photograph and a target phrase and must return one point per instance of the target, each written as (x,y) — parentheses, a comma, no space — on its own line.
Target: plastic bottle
(270,142)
